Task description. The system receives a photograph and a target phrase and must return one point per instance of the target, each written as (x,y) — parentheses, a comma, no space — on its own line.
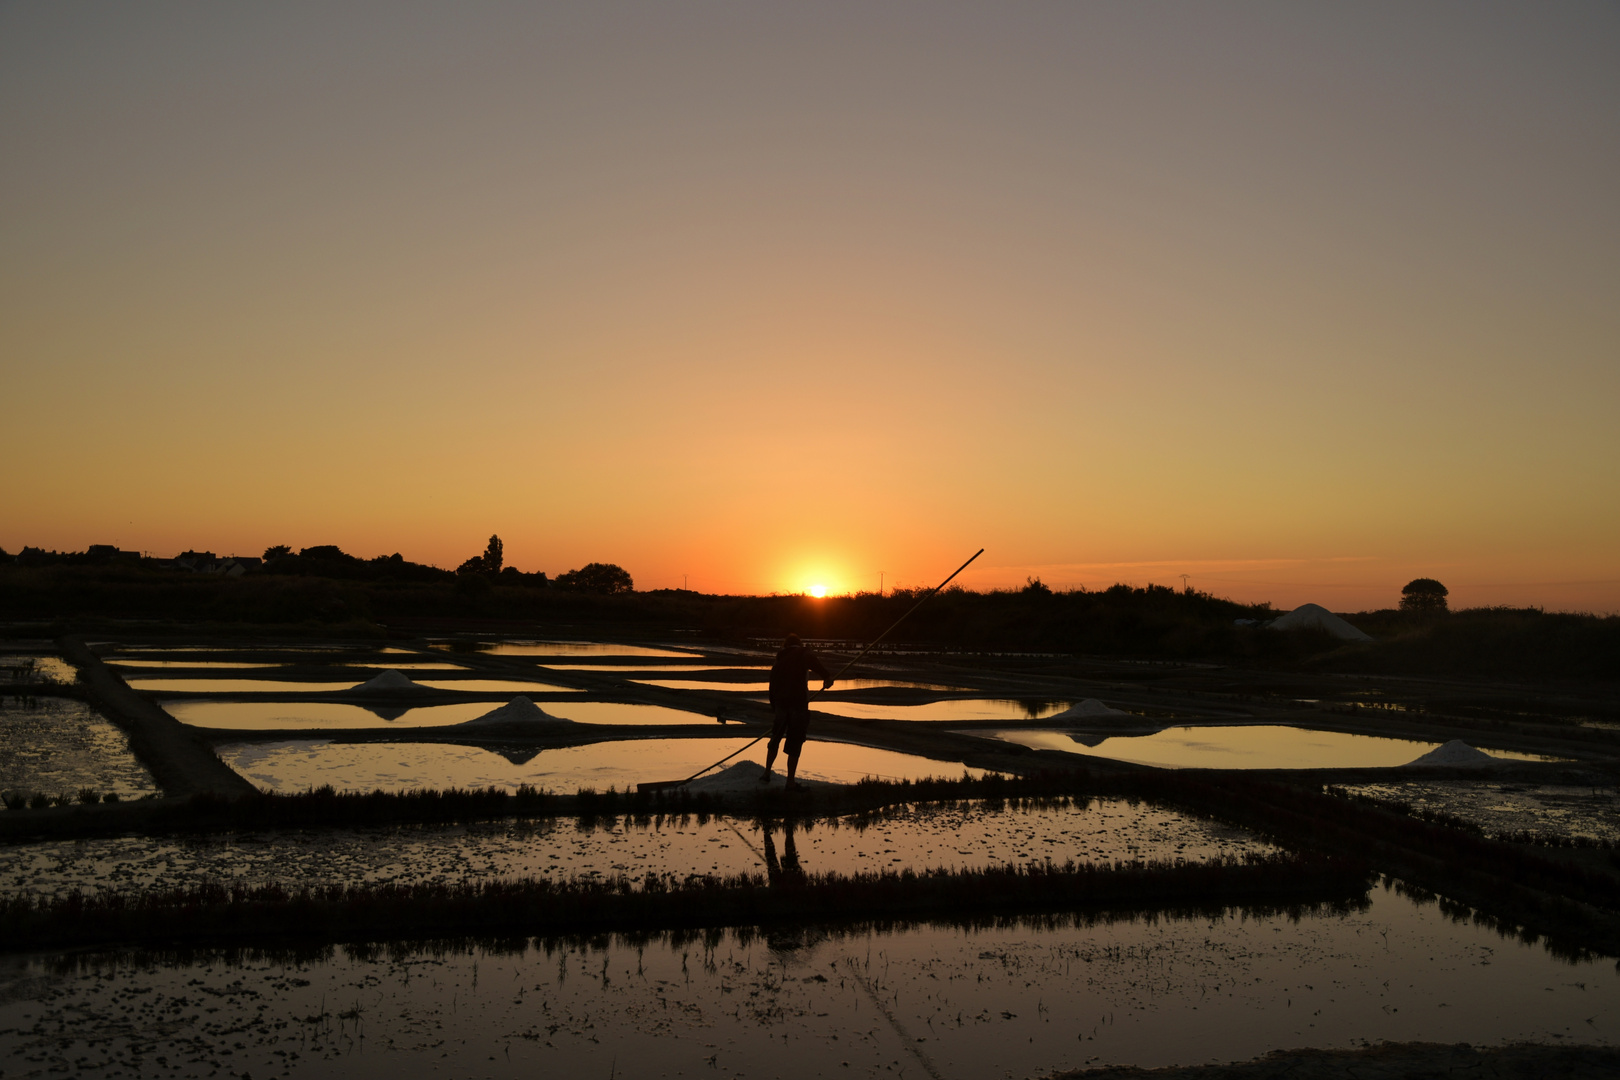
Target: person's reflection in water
(787,867)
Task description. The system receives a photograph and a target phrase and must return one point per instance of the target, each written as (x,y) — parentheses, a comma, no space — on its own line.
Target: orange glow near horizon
(1117,298)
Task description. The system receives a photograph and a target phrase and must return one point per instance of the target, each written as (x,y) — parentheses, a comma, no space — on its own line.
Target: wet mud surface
(59,745)
(1007,1001)
(907,837)
(1562,810)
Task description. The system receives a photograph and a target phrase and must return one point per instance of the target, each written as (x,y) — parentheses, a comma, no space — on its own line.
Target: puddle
(1253,746)
(121,664)
(961,709)
(1014,1000)
(36,669)
(637,669)
(498,686)
(296,765)
(263,715)
(613,712)
(1552,809)
(58,746)
(238,686)
(920,837)
(763,687)
(572,648)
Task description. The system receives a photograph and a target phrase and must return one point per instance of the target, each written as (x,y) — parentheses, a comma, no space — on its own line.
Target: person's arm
(819,668)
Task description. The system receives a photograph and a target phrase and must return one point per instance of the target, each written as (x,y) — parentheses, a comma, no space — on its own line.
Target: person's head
(791,641)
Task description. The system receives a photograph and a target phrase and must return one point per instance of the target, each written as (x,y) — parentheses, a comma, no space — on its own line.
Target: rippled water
(297,765)
(574,648)
(1015,1000)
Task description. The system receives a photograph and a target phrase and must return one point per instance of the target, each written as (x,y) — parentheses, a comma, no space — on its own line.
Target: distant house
(111,553)
(237,565)
(195,562)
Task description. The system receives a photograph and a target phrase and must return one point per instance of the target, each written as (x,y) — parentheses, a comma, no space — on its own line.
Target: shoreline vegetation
(379,599)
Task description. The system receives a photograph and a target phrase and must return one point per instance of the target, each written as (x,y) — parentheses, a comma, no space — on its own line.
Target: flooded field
(120,665)
(1015,1000)
(1553,809)
(961,709)
(1253,746)
(910,837)
(300,764)
(58,746)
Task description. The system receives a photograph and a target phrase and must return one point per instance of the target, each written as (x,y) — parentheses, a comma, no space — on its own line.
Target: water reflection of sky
(238,686)
(315,715)
(56,746)
(1256,746)
(301,764)
(1016,999)
(959,709)
(759,687)
(572,648)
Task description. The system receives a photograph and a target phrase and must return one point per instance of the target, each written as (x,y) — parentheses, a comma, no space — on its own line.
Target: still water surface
(1015,1000)
(1256,746)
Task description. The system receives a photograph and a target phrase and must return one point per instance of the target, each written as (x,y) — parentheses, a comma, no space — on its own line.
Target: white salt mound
(1455,754)
(1317,617)
(744,776)
(520,710)
(389,680)
(1087,710)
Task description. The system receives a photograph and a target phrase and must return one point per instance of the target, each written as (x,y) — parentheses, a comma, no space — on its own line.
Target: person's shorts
(792,723)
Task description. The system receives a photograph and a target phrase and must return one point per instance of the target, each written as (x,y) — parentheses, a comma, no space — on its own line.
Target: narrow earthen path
(180,761)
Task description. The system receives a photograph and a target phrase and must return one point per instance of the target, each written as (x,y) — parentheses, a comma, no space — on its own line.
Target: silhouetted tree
(1034,586)
(1424,595)
(492,556)
(276,552)
(606,578)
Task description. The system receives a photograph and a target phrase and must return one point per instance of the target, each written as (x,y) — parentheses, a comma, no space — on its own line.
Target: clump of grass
(89,795)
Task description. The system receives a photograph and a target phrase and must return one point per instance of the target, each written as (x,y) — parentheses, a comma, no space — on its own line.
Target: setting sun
(818,590)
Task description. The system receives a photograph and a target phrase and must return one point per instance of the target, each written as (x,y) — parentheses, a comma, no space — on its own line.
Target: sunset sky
(1299,300)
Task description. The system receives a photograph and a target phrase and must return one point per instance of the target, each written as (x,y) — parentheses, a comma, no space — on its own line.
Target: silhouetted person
(790,698)
(788,865)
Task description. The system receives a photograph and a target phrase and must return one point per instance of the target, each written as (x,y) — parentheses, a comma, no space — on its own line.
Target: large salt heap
(389,680)
(1456,754)
(1317,617)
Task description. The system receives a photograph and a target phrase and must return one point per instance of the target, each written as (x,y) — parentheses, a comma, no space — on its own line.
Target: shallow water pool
(498,686)
(1253,746)
(1016,1000)
(300,764)
(314,715)
(574,648)
(238,686)
(961,709)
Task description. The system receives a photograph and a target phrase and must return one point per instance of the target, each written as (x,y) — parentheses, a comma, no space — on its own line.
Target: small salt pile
(519,711)
(1087,710)
(1456,754)
(389,680)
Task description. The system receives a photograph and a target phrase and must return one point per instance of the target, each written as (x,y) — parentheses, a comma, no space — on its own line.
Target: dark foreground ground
(1393,1061)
